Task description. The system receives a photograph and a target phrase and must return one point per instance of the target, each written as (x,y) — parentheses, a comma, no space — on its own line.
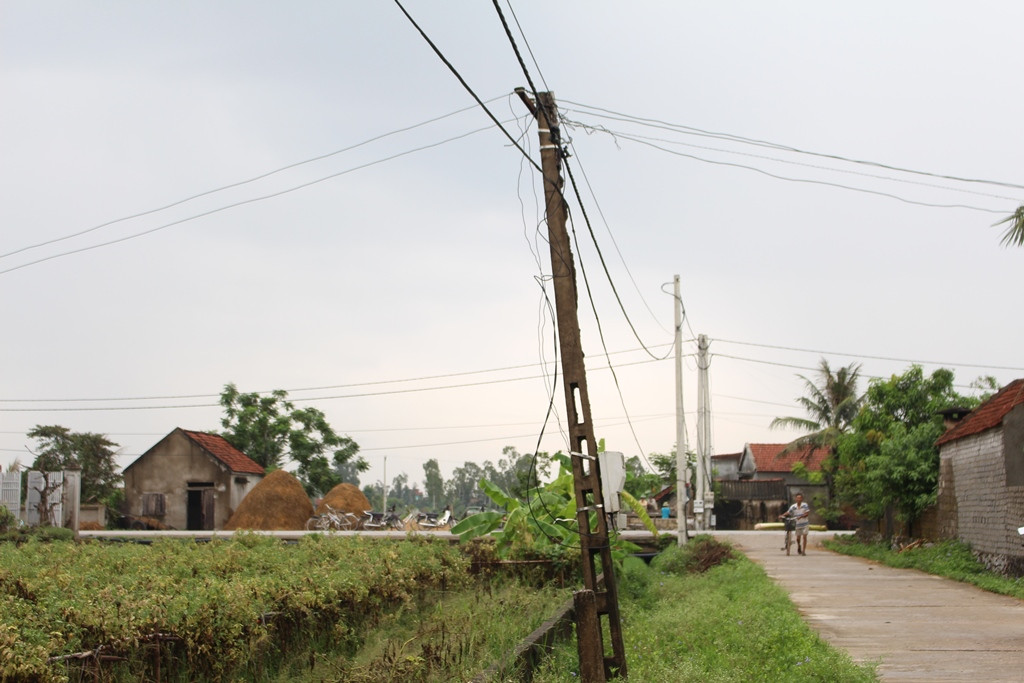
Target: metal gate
(10,492)
(51,488)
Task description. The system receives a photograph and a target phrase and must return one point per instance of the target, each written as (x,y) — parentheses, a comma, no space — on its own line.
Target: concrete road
(918,627)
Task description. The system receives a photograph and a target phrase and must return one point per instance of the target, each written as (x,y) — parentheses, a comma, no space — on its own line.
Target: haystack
(346,498)
(278,502)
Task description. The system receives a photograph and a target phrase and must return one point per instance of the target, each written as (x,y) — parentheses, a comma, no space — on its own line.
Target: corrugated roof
(726,456)
(753,489)
(768,457)
(218,447)
(989,414)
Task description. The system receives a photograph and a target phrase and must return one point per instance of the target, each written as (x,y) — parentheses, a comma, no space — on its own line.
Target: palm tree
(1014,235)
(831,404)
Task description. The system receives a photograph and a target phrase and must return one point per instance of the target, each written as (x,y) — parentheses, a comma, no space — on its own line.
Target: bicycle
(332,520)
(382,520)
(790,526)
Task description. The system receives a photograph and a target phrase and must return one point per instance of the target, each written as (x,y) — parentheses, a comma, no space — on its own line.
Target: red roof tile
(218,447)
(767,457)
(989,414)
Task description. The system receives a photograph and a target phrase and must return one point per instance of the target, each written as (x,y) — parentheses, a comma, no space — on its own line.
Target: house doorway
(200,508)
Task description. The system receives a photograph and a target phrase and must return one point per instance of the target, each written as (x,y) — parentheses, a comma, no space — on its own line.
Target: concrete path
(919,627)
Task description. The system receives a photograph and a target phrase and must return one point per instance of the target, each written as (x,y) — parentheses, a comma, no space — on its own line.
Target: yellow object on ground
(778,526)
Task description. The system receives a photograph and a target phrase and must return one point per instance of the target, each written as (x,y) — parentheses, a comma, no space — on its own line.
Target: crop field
(188,611)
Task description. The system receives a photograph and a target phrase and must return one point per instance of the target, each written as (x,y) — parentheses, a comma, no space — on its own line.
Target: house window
(153,505)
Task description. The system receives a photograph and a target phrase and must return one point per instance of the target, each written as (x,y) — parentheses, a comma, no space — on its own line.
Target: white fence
(10,492)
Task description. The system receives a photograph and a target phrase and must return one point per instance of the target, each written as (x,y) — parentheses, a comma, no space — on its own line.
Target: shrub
(699,555)
(7,519)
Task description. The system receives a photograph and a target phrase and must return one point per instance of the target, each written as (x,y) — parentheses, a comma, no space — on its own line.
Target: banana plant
(545,521)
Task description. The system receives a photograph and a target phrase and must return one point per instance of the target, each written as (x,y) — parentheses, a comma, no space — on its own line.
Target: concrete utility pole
(682,464)
(592,603)
(705,496)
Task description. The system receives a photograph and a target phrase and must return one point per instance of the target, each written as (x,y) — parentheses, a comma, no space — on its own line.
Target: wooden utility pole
(594,661)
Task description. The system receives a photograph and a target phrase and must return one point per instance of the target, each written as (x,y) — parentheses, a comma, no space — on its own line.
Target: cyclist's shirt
(800,514)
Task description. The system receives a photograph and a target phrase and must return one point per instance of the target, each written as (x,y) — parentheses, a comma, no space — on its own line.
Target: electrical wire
(764,143)
(808,369)
(817,167)
(869,357)
(244,202)
(528,48)
(413,390)
(247,181)
(515,48)
(810,181)
(604,264)
(615,376)
(291,391)
(465,85)
(608,229)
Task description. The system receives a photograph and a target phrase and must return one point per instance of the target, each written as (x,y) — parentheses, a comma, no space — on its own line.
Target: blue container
(665,511)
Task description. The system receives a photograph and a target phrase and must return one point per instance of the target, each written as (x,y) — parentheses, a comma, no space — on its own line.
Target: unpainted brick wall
(988,511)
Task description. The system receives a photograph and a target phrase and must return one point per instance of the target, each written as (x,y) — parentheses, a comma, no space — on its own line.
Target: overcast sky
(431,264)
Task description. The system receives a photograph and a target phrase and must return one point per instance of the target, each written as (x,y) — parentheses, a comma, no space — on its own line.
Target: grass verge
(949,559)
(445,637)
(729,623)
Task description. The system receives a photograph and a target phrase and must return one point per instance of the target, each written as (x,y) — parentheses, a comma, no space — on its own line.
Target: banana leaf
(639,510)
(495,493)
(480,524)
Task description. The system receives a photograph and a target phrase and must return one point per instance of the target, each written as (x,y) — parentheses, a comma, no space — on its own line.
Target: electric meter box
(613,478)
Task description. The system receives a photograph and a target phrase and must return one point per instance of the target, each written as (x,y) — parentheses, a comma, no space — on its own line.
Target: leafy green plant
(222,607)
(699,555)
(640,511)
(544,525)
(7,519)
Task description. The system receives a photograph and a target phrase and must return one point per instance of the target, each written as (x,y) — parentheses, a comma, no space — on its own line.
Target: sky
(303,196)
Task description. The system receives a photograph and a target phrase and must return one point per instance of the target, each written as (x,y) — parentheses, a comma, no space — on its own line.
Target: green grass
(728,624)
(950,559)
(450,637)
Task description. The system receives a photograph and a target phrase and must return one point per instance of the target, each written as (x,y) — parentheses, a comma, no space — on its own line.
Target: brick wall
(988,511)
(947,516)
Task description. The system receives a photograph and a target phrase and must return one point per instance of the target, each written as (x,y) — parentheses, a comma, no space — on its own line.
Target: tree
(1014,235)
(518,472)
(463,488)
(58,449)
(831,405)
(433,482)
(639,482)
(272,431)
(888,464)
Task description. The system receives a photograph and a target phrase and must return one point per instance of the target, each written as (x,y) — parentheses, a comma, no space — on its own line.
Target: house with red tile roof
(771,461)
(761,483)
(189,480)
(981,480)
